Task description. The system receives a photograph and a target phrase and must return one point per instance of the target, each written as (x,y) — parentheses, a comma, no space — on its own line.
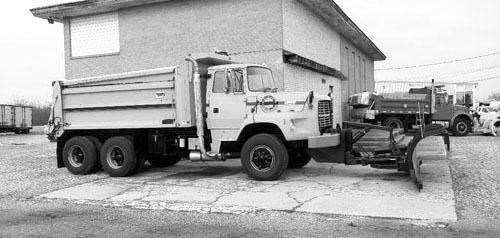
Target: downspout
(200,125)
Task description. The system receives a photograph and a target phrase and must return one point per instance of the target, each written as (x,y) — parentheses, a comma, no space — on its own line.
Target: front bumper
(362,113)
(323,141)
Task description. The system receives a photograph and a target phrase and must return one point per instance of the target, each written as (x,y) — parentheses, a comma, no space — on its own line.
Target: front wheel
(264,157)
(298,158)
(461,127)
(393,122)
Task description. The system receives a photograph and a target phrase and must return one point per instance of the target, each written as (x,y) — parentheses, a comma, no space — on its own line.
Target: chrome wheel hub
(115,157)
(76,156)
(262,158)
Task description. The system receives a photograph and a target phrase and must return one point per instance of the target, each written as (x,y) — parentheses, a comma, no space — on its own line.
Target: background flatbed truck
(17,119)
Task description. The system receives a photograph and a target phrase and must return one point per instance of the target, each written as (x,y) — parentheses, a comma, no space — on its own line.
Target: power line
(465,81)
(449,75)
(439,63)
(483,79)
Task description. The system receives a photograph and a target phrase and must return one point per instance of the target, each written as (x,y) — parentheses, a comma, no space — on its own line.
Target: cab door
(227,105)
(444,110)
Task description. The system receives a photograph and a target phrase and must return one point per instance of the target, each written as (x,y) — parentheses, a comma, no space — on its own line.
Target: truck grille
(325,116)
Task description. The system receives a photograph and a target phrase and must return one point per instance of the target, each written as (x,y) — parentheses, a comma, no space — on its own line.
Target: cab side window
(229,81)
(236,79)
(219,84)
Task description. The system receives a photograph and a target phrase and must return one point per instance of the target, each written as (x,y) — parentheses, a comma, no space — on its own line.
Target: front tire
(393,122)
(79,155)
(461,127)
(118,157)
(298,158)
(264,157)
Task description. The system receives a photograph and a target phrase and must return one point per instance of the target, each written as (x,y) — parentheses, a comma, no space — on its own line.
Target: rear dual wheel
(118,157)
(80,155)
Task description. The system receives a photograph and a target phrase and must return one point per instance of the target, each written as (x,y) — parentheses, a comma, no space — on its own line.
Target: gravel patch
(475,169)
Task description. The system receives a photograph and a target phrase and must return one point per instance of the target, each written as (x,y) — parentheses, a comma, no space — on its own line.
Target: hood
(284,101)
(461,108)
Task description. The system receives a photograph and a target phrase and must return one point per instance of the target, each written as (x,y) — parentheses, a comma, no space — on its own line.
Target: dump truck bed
(157,98)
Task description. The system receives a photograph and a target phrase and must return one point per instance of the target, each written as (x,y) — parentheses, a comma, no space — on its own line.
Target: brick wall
(253,31)
(303,80)
(358,68)
(160,35)
(306,34)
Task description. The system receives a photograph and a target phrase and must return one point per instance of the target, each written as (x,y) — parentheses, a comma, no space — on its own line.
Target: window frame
(70,38)
(225,72)
(248,83)
(213,84)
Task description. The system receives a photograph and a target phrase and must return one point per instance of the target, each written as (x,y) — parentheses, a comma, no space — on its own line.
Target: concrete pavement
(223,187)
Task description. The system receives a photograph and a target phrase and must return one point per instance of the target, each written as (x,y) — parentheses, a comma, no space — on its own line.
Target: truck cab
(242,97)
(455,117)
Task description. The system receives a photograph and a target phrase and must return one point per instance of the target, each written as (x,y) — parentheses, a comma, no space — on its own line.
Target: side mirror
(310,99)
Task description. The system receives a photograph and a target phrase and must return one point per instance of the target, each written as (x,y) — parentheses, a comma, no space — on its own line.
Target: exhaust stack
(199,114)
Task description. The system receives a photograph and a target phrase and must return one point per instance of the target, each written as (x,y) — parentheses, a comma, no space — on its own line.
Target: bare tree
(41,110)
(494,96)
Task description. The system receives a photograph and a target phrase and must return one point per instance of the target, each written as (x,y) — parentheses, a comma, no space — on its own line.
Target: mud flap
(412,161)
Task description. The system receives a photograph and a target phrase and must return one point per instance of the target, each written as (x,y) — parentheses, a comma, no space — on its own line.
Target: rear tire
(298,158)
(98,145)
(461,127)
(393,122)
(79,155)
(264,157)
(118,157)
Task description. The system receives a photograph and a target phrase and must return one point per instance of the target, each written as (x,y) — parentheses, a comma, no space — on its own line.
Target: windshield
(260,79)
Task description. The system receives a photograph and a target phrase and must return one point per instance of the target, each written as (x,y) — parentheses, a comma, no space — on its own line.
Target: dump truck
(207,109)
(17,119)
(419,106)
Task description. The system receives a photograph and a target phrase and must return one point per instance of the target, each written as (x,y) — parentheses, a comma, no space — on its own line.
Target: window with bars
(94,35)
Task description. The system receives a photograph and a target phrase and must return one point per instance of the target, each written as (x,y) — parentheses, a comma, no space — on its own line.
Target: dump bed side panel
(404,106)
(145,99)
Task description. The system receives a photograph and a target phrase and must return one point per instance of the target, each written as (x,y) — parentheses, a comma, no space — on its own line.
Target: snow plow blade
(412,160)
(394,154)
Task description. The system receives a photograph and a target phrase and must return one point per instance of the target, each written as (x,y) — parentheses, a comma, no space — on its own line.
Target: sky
(409,33)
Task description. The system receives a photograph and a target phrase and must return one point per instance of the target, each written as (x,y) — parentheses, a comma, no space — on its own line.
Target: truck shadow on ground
(212,172)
